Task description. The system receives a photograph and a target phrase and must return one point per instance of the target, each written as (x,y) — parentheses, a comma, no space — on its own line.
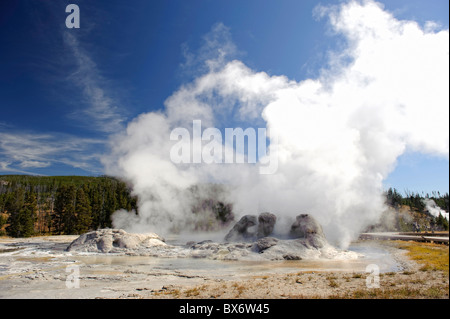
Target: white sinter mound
(114,241)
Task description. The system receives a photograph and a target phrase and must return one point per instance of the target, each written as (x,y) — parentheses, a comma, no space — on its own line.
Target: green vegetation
(41,205)
(415,200)
(65,205)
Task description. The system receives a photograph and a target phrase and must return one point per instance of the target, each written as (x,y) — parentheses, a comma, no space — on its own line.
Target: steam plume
(339,135)
(434,209)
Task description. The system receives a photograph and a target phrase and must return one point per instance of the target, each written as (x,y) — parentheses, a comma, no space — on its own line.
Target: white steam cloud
(434,209)
(339,135)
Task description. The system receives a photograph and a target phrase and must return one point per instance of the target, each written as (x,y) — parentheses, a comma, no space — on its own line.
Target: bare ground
(38,268)
(413,282)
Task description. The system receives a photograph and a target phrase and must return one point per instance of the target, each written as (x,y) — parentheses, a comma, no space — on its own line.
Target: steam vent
(251,238)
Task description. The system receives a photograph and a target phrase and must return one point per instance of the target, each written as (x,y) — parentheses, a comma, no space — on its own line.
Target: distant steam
(434,209)
(339,135)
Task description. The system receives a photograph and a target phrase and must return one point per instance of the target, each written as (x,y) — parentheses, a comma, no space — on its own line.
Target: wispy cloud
(216,50)
(28,152)
(19,151)
(102,112)
(34,164)
(6,168)
(94,107)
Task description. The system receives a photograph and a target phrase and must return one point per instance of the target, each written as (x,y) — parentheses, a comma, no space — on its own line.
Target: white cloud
(19,150)
(31,150)
(34,164)
(103,112)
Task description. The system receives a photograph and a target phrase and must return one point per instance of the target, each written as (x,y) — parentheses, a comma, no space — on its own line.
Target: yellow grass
(428,281)
(434,292)
(430,256)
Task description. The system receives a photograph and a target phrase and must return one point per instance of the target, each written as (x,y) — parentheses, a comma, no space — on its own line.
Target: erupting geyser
(336,137)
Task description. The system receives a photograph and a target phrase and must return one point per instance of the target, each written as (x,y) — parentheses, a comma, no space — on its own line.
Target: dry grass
(332,281)
(193,292)
(404,292)
(430,256)
(426,279)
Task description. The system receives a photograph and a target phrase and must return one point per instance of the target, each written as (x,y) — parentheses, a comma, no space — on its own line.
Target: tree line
(41,205)
(56,205)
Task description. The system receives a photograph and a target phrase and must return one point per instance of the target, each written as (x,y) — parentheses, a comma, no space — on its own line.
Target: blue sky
(65,92)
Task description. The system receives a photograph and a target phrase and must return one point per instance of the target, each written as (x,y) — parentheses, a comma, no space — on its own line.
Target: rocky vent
(251,238)
(114,241)
(252,228)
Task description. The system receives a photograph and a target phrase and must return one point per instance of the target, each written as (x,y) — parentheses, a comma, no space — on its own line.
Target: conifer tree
(22,213)
(83,219)
(65,217)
